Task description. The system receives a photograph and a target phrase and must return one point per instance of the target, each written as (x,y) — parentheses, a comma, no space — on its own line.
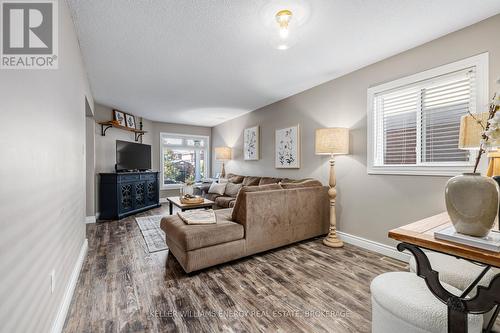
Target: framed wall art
(251,142)
(287,149)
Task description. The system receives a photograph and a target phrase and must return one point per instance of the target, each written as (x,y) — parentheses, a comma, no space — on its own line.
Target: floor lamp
(222,154)
(332,141)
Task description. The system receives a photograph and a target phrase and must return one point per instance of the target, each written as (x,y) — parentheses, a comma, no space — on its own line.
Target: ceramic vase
(472,203)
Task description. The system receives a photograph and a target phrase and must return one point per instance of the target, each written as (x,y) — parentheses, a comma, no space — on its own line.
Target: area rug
(152,233)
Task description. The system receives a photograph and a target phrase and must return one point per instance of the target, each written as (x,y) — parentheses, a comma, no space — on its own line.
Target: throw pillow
(236,179)
(251,181)
(232,189)
(240,204)
(217,188)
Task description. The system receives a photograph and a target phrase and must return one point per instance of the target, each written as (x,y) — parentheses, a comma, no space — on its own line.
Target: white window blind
(417,124)
(420,124)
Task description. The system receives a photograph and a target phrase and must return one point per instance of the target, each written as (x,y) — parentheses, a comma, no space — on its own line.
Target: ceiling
(202,62)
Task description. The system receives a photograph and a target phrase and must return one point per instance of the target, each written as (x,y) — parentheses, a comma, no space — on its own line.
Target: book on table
(490,242)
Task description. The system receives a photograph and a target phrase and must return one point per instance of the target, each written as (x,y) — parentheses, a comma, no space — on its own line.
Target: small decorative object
(332,141)
(287,150)
(472,200)
(222,154)
(119,117)
(191,199)
(187,188)
(251,143)
(130,119)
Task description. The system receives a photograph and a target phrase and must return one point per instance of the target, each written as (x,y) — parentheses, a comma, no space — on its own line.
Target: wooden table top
(177,201)
(421,233)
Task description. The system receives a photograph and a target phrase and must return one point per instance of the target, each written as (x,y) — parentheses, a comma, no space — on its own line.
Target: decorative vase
(187,190)
(472,203)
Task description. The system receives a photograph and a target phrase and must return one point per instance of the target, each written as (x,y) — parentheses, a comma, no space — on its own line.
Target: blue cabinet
(123,194)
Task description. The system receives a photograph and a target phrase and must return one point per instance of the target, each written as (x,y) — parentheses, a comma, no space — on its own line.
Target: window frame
(182,146)
(480,62)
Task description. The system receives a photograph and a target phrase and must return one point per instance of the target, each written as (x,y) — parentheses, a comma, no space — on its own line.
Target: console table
(420,235)
(125,193)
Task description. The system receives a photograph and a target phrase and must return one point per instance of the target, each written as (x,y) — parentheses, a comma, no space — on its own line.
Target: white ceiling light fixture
(282,19)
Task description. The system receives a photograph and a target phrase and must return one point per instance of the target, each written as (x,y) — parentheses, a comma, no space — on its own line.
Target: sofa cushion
(192,237)
(232,189)
(305,183)
(217,188)
(240,204)
(224,201)
(235,179)
(269,180)
(251,181)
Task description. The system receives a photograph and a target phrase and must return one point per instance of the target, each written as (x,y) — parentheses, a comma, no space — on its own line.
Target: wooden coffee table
(183,207)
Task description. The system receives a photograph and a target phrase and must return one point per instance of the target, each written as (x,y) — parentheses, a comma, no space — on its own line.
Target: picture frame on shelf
(119,118)
(251,144)
(130,120)
(287,148)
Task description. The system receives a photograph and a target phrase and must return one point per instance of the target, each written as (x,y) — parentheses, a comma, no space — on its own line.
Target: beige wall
(42,194)
(105,146)
(367,205)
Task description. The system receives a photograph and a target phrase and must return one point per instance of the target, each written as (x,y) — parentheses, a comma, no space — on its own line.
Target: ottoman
(200,246)
(401,302)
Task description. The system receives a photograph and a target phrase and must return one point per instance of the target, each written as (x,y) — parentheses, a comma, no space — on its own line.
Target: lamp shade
(470,130)
(222,153)
(332,141)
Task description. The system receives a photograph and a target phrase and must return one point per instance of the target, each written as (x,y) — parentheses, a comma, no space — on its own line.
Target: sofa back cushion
(251,181)
(217,188)
(236,179)
(240,208)
(269,180)
(232,189)
(304,183)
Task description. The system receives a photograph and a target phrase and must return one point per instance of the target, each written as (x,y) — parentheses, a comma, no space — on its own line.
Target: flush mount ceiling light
(282,18)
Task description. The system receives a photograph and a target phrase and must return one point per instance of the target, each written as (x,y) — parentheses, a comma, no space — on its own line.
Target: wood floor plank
(304,287)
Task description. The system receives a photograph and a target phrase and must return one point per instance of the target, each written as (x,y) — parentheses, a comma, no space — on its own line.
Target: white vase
(472,203)
(187,190)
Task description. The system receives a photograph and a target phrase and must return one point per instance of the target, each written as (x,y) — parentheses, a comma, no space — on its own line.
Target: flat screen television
(132,156)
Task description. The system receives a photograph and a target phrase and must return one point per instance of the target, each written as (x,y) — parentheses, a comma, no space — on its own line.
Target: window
(414,122)
(183,157)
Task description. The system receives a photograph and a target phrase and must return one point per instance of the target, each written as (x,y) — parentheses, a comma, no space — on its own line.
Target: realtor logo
(29,34)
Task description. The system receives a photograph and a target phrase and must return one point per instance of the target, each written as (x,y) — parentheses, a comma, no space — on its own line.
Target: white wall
(367,205)
(89,162)
(42,191)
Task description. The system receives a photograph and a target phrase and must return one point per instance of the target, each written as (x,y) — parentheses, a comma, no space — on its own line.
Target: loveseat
(263,217)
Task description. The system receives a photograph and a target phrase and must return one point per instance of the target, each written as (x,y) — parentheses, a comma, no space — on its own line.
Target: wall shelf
(105,125)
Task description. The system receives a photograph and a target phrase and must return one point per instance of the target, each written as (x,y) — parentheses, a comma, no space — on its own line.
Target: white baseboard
(58,324)
(383,249)
(90,219)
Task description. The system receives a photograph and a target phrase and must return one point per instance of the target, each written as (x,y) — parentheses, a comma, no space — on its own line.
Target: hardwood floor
(306,287)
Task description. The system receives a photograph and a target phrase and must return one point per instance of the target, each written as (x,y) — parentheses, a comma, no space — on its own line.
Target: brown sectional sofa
(263,217)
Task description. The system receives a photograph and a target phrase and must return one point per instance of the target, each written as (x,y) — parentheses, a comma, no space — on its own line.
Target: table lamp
(332,141)
(222,154)
(470,139)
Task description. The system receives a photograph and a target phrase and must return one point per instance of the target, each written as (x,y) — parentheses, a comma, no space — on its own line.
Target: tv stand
(125,193)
